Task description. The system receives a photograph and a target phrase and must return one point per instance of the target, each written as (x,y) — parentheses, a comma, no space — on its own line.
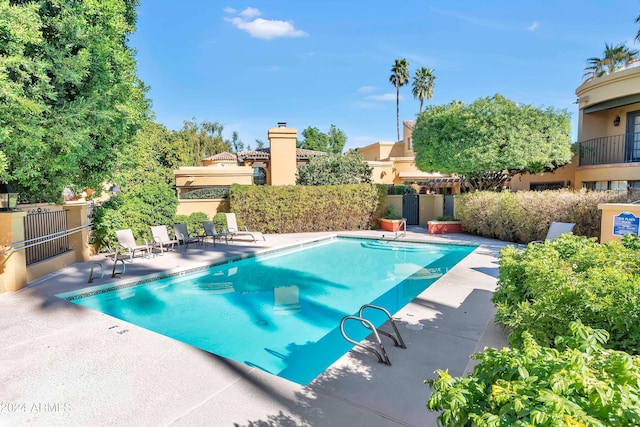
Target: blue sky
(249,65)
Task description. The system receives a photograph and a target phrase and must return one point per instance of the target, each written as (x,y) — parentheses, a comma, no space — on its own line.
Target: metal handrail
(28,243)
(382,355)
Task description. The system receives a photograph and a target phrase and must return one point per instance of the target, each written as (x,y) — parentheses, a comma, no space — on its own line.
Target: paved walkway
(65,365)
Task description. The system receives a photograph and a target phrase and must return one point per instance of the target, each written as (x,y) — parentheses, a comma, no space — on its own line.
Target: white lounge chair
(556,229)
(210,232)
(161,237)
(182,235)
(233,229)
(128,243)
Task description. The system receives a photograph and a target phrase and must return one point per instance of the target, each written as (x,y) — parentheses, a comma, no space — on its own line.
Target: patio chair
(556,229)
(211,233)
(161,238)
(233,229)
(128,243)
(182,235)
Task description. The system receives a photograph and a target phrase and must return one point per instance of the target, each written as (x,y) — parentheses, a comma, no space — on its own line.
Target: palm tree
(638,35)
(423,83)
(399,77)
(615,58)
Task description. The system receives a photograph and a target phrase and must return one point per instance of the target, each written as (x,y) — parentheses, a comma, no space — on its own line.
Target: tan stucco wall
(13,272)
(566,174)
(197,176)
(382,172)
(209,206)
(615,172)
(431,206)
(609,211)
(283,167)
(381,151)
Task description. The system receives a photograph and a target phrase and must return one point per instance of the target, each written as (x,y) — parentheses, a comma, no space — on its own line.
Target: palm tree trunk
(398,110)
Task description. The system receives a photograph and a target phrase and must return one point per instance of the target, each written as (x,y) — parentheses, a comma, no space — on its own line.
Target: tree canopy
(331,142)
(69,94)
(614,58)
(201,140)
(335,169)
(490,140)
(423,82)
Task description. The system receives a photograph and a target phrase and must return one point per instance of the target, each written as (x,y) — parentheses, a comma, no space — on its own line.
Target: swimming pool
(281,311)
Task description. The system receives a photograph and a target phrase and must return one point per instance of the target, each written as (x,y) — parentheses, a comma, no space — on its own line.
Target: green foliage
(69,95)
(491,139)
(201,140)
(194,222)
(398,78)
(525,215)
(423,82)
(545,286)
(391,213)
(402,189)
(297,209)
(614,58)
(138,209)
(332,142)
(207,193)
(578,384)
(335,169)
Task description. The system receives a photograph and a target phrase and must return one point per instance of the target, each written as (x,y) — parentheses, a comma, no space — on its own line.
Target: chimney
(283,165)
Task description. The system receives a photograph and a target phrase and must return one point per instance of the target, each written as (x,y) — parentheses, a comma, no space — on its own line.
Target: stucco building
(607,153)
(394,163)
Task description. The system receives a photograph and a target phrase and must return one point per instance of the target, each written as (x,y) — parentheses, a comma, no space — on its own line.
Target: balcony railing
(623,148)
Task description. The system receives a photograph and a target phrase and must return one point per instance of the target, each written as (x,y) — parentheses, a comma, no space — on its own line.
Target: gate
(410,211)
(448,205)
(48,231)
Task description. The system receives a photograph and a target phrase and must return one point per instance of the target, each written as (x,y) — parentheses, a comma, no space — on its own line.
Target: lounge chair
(556,229)
(233,229)
(182,235)
(161,237)
(210,232)
(128,243)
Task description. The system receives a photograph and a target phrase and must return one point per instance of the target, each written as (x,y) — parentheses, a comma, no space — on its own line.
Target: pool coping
(114,373)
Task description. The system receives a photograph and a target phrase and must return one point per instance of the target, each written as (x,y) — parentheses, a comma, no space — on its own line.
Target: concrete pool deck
(65,365)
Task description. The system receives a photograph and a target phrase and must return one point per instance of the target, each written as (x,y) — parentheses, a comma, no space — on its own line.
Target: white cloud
(385,97)
(366,89)
(533,26)
(250,12)
(230,10)
(266,29)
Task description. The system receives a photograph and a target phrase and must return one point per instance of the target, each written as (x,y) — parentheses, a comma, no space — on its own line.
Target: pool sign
(625,223)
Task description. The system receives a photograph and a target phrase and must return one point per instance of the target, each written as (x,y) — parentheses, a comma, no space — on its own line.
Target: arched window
(259,176)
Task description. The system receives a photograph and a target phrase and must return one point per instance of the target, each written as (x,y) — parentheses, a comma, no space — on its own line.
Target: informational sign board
(625,223)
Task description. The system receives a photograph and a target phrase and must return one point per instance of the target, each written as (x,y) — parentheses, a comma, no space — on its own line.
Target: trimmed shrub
(296,209)
(578,384)
(207,193)
(525,216)
(546,286)
(193,222)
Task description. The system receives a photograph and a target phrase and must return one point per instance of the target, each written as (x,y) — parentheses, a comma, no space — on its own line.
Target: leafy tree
(423,83)
(399,77)
(201,140)
(333,142)
(638,34)
(490,140)
(335,169)
(614,59)
(69,95)
(236,143)
(152,157)
(259,143)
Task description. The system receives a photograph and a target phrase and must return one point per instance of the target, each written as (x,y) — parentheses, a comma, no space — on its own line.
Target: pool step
(382,354)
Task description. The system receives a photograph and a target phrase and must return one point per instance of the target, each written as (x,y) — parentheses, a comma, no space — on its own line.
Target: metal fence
(47,234)
(623,148)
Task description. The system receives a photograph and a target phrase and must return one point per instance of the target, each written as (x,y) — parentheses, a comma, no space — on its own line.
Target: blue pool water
(281,312)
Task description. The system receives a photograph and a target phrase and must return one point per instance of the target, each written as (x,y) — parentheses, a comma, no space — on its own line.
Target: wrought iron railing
(623,148)
(49,231)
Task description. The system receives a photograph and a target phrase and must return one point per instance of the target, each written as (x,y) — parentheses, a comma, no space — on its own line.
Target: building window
(608,185)
(541,186)
(259,176)
(410,144)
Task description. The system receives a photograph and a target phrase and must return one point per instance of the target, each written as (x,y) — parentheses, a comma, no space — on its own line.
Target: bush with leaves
(335,169)
(579,383)
(525,215)
(193,222)
(544,287)
(138,209)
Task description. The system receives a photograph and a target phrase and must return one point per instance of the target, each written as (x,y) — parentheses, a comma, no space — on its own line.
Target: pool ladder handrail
(382,354)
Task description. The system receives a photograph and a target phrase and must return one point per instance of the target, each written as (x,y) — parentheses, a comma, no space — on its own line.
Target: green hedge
(525,216)
(207,193)
(545,286)
(297,209)
(579,384)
